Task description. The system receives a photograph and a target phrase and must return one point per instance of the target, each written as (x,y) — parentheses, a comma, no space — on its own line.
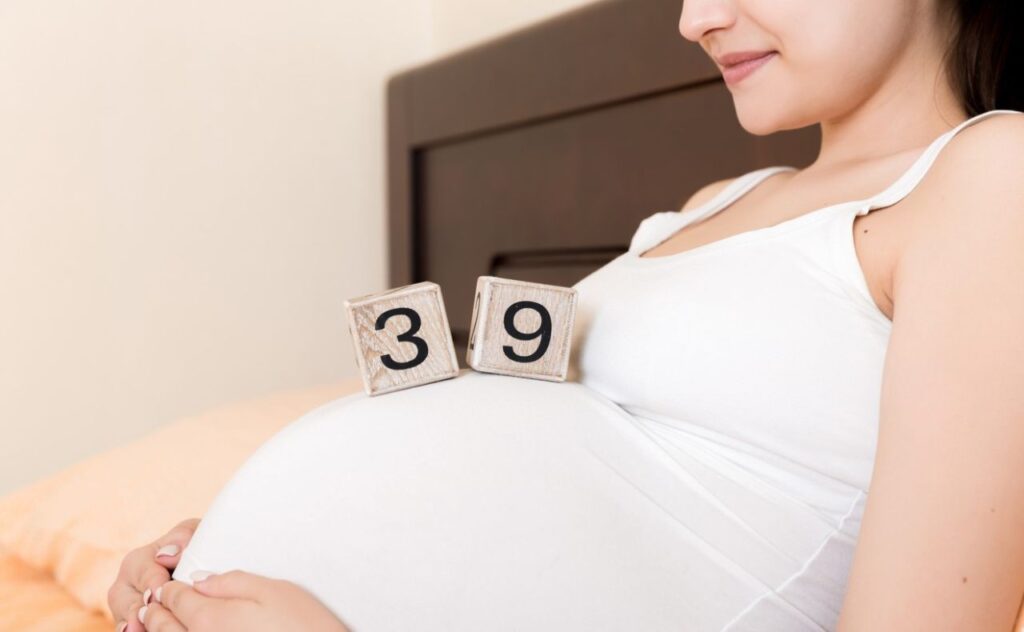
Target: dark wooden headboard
(535,155)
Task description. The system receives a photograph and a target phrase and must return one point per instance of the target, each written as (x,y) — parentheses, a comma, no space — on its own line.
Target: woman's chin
(760,116)
(757,124)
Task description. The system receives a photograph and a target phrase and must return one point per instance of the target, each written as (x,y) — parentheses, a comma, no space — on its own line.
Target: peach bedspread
(31,601)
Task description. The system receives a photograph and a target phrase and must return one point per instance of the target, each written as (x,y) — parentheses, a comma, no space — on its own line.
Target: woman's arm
(942,542)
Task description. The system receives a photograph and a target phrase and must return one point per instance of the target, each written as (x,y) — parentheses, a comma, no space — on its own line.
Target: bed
(531,156)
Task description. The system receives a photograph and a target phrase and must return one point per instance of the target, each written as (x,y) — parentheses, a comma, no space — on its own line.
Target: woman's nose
(701,16)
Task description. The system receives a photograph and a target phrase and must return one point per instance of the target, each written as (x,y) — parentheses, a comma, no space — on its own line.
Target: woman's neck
(913,105)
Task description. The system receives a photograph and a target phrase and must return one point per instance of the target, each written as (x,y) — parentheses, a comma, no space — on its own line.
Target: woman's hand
(144,570)
(236,601)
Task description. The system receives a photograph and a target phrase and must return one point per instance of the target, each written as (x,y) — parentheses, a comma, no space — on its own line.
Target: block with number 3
(402,338)
(521,328)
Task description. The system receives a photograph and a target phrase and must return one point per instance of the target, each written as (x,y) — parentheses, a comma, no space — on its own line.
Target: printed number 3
(407,336)
(543,332)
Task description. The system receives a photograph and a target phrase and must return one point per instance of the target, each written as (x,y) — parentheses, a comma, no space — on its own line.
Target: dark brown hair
(985,58)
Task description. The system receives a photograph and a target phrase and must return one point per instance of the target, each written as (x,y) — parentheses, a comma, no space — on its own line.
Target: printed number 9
(407,336)
(543,332)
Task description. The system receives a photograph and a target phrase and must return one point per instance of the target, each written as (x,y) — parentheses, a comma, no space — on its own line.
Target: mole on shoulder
(865,230)
(965,580)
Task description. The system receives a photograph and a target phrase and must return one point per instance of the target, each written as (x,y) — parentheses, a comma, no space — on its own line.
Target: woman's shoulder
(700,198)
(969,208)
(653,225)
(976,177)
(993,145)
(707,193)
(989,141)
(719,188)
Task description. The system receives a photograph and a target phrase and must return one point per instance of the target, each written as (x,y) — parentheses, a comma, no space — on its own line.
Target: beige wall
(188,191)
(461,23)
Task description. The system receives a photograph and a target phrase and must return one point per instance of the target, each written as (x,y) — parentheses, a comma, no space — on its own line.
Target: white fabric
(706,469)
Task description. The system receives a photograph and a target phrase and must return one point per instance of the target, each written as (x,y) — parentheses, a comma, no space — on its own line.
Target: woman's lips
(735,73)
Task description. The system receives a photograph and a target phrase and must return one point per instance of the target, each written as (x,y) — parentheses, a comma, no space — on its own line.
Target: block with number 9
(402,338)
(521,328)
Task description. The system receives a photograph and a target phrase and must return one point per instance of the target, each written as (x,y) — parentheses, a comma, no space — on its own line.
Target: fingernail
(156,595)
(198,576)
(142,614)
(168,549)
(145,596)
(121,627)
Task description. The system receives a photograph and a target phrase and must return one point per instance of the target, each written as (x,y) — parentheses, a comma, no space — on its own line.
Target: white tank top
(761,352)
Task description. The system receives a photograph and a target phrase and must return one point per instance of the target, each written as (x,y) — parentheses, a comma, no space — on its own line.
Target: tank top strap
(729,194)
(655,227)
(906,183)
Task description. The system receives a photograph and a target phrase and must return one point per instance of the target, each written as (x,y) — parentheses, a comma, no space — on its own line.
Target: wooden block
(402,338)
(521,328)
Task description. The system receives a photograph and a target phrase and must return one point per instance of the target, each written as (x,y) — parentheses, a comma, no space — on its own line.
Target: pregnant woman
(795,406)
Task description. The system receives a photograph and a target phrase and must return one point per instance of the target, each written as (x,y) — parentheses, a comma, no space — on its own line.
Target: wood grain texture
(492,349)
(374,347)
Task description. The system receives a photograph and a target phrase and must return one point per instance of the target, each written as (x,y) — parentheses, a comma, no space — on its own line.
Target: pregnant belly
(481,502)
